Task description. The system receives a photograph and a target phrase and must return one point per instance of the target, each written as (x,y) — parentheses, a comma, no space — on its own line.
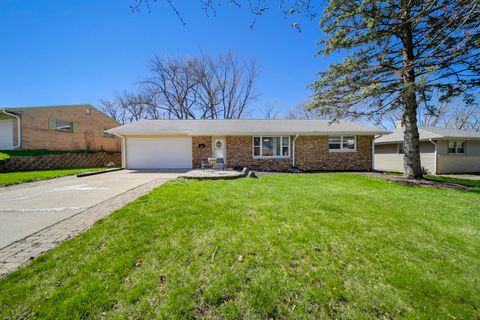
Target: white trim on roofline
(433,138)
(243,133)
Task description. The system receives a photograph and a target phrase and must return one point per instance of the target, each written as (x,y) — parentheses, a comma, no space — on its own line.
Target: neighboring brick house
(70,127)
(276,145)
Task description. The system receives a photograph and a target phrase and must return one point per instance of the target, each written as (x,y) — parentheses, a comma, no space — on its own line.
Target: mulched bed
(414,182)
(210,174)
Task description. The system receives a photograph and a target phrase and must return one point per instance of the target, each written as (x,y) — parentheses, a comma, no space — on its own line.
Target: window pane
(267,146)
(63,125)
(334,143)
(256,151)
(285,151)
(349,143)
(400,149)
(256,141)
(460,147)
(451,146)
(277,146)
(285,141)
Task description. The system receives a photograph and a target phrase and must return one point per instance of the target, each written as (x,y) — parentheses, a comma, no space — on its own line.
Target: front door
(219,150)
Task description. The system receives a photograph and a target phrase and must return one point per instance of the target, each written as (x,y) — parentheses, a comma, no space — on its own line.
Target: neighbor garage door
(6,134)
(159,153)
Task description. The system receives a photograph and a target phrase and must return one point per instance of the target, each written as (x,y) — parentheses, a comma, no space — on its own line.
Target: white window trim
(457,153)
(261,147)
(63,130)
(341,145)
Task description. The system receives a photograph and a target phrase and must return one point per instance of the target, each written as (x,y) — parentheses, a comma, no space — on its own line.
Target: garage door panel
(159,153)
(6,134)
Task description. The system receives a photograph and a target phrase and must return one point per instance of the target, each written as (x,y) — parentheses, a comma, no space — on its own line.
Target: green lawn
(24,153)
(10,178)
(475,184)
(314,246)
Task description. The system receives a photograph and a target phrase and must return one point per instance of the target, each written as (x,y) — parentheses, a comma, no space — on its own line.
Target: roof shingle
(427,132)
(244,127)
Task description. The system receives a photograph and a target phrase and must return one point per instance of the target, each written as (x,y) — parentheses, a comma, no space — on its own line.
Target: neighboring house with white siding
(442,150)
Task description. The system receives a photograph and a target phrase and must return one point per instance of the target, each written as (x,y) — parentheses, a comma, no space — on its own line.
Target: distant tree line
(204,87)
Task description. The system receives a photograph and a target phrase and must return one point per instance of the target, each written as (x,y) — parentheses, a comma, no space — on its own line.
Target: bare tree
(190,88)
(172,86)
(464,118)
(236,83)
(449,113)
(301,111)
(297,9)
(271,111)
(208,88)
(126,107)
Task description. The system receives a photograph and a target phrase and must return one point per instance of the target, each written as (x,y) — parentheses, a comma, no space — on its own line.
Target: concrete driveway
(28,208)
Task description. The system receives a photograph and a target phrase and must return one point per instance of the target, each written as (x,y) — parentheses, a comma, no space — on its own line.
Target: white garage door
(159,153)
(6,134)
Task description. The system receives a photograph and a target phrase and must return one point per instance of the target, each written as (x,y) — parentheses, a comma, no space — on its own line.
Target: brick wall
(239,153)
(201,149)
(312,155)
(37,135)
(60,161)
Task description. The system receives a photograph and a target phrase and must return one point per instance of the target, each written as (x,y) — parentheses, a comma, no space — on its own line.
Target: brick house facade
(75,127)
(270,145)
(311,154)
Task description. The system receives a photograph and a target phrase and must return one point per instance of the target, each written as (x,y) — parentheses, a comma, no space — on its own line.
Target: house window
(456,147)
(400,149)
(271,146)
(342,143)
(63,125)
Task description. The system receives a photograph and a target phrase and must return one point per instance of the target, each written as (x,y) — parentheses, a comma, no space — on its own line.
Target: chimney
(399,124)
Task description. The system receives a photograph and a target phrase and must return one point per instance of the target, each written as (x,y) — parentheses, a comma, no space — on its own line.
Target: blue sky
(81,51)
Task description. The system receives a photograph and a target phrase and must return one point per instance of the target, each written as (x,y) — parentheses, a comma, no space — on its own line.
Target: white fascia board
(259,133)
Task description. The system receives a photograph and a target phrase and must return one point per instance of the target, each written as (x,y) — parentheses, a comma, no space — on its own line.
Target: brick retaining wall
(60,161)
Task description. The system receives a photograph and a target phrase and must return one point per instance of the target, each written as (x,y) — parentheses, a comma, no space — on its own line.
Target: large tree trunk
(411,157)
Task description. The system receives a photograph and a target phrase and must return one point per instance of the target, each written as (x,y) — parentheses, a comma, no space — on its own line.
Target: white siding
(6,134)
(472,147)
(389,162)
(458,163)
(387,157)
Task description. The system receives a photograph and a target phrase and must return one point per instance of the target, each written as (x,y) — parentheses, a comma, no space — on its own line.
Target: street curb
(86,174)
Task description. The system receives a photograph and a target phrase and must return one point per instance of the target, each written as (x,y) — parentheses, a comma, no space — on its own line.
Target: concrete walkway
(462,176)
(38,216)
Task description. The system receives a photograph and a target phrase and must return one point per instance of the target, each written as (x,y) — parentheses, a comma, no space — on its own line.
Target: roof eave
(243,133)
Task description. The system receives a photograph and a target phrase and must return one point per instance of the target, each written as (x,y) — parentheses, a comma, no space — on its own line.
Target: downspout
(123,149)
(19,128)
(293,151)
(435,159)
(373,150)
